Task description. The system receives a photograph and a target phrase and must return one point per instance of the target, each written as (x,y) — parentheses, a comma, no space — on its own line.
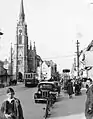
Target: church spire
(30,46)
(34,48)
(22,14)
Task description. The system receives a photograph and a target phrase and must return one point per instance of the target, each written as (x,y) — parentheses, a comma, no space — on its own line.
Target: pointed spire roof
(34,48)
(34,45)
(21,14)
(30,46)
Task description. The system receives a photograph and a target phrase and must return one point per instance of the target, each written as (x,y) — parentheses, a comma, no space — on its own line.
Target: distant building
(86,59)
(49,69)
(4,73)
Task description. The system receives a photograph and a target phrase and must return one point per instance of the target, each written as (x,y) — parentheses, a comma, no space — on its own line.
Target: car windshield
(45,86)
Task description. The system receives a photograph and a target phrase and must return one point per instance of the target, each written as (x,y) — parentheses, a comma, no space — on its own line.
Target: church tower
(21,46)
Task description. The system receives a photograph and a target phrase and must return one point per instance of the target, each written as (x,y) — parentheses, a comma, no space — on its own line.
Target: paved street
(65,108)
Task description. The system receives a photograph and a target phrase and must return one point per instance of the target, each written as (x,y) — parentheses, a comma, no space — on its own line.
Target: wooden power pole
(77,58)
(11,61)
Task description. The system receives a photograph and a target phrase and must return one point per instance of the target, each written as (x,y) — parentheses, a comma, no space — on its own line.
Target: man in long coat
(89,101)
(70,88)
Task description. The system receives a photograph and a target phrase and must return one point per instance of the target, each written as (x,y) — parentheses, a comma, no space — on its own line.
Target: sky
(54,25)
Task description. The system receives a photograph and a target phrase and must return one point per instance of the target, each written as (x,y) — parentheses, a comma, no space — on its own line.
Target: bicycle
(47,109)
(49,105)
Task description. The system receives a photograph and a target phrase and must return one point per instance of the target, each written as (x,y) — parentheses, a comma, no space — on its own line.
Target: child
(11,107)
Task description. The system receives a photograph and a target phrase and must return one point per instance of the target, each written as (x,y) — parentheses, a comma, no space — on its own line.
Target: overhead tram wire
(57,57)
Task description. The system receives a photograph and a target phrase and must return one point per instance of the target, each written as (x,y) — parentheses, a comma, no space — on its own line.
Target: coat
(17,109)
(89,103)
(70,88)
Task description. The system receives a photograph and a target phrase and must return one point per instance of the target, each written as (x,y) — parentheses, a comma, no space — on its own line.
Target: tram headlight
(50,92)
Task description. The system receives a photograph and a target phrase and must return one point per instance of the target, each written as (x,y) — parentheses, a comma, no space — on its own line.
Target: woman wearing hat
(11,107)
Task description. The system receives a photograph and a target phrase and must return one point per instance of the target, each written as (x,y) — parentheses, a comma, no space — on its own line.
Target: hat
(10,90)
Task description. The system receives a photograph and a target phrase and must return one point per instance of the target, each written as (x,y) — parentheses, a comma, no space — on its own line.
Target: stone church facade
(25,58)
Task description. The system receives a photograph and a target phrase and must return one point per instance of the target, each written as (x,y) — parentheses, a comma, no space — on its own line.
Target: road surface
(65,108)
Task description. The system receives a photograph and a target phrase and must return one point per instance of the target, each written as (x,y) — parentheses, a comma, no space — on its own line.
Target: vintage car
(44,89)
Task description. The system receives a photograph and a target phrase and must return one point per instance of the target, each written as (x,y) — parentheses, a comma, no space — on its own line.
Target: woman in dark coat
(11,107)
(89,102)
(70,88)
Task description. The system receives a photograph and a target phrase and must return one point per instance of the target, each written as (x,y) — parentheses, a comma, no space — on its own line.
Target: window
(28,75)
(20,39)
(19,62)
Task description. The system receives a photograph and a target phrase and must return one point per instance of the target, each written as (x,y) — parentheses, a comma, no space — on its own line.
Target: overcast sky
(55,26)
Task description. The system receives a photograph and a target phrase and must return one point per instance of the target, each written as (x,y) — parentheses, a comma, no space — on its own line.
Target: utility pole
(11,61)
(77,58)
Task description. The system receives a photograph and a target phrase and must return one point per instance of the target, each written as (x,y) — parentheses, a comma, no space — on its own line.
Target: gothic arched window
(20,39)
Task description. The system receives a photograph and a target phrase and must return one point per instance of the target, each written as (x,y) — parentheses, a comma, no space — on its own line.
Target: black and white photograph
(46,59)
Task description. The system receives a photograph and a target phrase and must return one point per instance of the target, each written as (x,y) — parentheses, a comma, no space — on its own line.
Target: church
(25,58)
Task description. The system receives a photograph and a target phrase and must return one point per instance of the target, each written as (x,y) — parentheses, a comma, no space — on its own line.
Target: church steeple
(21,14)
(30,46)
(34,48)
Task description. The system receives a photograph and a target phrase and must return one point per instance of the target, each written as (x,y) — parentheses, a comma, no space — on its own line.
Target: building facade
(48,70)
(25,58)
(86,62)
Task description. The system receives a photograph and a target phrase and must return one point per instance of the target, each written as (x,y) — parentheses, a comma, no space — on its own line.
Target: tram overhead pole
(77,58)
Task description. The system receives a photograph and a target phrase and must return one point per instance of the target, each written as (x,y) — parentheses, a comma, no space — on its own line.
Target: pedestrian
(11,108)
(70,88)
(77,87)
(89,100)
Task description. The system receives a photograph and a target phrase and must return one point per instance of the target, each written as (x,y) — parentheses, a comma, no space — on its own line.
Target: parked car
(43,91)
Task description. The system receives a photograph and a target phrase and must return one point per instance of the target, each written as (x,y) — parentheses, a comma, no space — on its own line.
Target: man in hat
(70,88)
(11,107)
(89,100)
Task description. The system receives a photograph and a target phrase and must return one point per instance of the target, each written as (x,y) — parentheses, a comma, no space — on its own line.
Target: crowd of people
(73,87)
(89,94)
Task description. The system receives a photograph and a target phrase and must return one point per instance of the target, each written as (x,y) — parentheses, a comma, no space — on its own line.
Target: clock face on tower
(20,31)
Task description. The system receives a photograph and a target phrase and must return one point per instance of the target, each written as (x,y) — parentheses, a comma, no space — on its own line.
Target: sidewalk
(79,116)
(67,108)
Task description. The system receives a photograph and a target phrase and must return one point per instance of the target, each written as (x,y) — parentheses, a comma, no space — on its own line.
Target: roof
(50,63)
(46,82)
(22,15)
(47,63)
(90,45)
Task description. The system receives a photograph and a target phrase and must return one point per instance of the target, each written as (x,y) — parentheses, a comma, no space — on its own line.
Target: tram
(30,79)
